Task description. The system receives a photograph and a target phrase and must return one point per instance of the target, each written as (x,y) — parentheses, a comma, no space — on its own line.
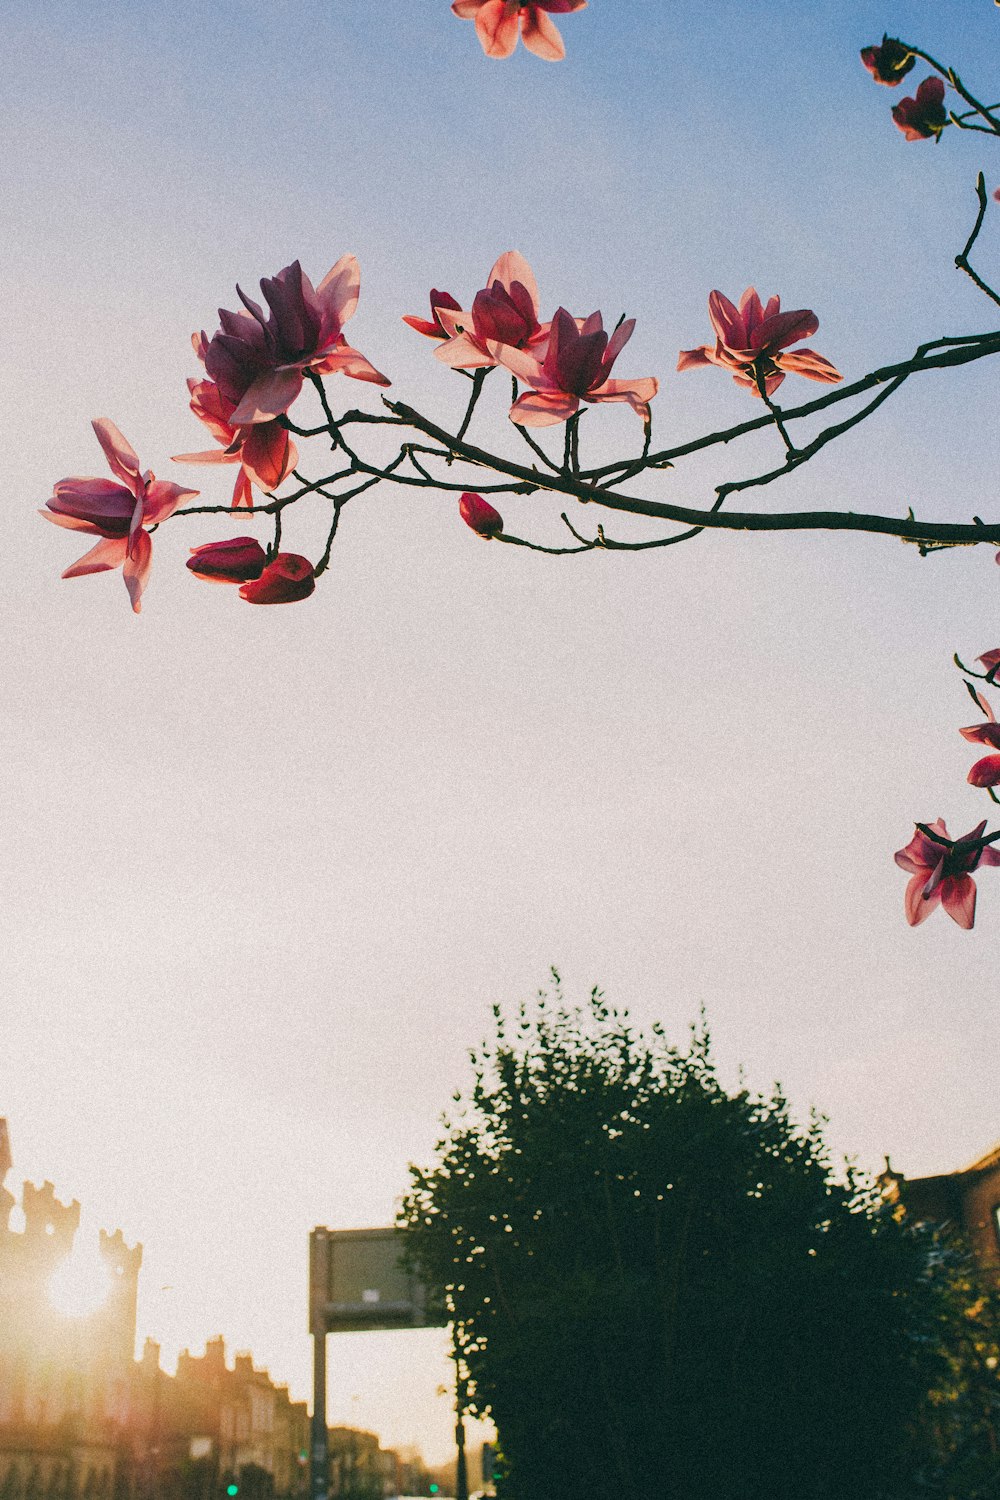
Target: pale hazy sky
(265,871)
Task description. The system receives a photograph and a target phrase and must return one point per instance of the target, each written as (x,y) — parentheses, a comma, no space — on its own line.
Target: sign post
(357,1283)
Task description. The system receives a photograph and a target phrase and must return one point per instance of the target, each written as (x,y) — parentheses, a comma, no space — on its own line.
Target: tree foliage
(660,1287)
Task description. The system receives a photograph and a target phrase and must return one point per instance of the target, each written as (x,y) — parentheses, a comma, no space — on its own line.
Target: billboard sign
(358,1283)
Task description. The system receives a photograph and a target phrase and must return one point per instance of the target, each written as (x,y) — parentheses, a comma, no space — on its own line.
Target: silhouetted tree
(661,1288)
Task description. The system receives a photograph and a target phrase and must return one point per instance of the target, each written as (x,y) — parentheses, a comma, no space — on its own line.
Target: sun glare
(80,1285)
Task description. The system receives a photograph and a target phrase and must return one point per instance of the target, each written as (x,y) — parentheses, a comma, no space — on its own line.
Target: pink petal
(347,361)
(467,9)
(338,292)
(985,772)
(214,456)
(689,358)
(72,523)
(109,553)
(636,392)
(916,907)
(958,897)
(121,456)
(982,734)
(543,408)
(526,366)
(785,328)
(541,36)
(512,267)
(617,341)
(813,366)
(496,27)
(268,455)
(137,564)
(463,353)
(270,395)
(162,499)
(727,320)
(242,492)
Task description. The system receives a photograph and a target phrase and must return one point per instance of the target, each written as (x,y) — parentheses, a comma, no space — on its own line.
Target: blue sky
(265,871)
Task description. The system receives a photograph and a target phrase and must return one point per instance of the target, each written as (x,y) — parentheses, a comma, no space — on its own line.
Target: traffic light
(232,1490)
(491,1463)
(433,1487)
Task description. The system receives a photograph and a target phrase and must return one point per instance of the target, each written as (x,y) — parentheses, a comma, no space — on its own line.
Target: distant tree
(661,1288)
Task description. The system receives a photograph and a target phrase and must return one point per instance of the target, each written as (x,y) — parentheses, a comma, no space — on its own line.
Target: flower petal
(541,36)
(958,897)
(810,364)
(496,27)
(543,408)
(109,553)
(339,290)
(121,456)
(917,907)
(135,569)
(270,396)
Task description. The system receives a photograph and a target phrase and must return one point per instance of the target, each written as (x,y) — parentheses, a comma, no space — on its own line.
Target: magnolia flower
(751,339)
(942,873)
(264,451)
(497,24)
(259,361)
(504,312)
(985,772)
(924,116)
(480,515)
(288,578)
(889,62)
(434,329)
(236,559)
(118,513)
(575,367)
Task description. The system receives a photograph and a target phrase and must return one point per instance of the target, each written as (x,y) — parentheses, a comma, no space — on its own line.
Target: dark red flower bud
(288,578)
(480,515)
(888,63)
(235,560)
(924,116)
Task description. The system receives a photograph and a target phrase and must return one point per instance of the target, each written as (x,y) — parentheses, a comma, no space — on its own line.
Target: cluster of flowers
(941,868)
(569,360)
(256,365)
(922,117)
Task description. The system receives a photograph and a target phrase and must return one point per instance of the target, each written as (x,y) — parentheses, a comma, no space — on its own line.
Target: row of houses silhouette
(82,1419)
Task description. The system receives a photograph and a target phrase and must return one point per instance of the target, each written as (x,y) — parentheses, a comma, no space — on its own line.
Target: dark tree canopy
(661,1288)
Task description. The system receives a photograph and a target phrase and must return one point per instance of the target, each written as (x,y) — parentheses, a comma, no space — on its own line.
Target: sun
(80,1284)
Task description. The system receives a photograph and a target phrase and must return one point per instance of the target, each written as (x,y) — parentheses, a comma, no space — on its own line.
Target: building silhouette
(967,1200)
(82,1419)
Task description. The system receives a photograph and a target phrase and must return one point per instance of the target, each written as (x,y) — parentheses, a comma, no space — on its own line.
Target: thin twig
(962,260)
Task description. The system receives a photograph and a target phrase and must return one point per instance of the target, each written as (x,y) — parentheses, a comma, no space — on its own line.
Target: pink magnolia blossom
(889,62)
(925,116)
(236,559)
(497,23)
(259,361)
(576,366)
(942,875)
(434,328)
(990,660)
(480,515)
(284,581)
(985,772)
(264,451)
(504,312)
(118,513)
(752,338)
